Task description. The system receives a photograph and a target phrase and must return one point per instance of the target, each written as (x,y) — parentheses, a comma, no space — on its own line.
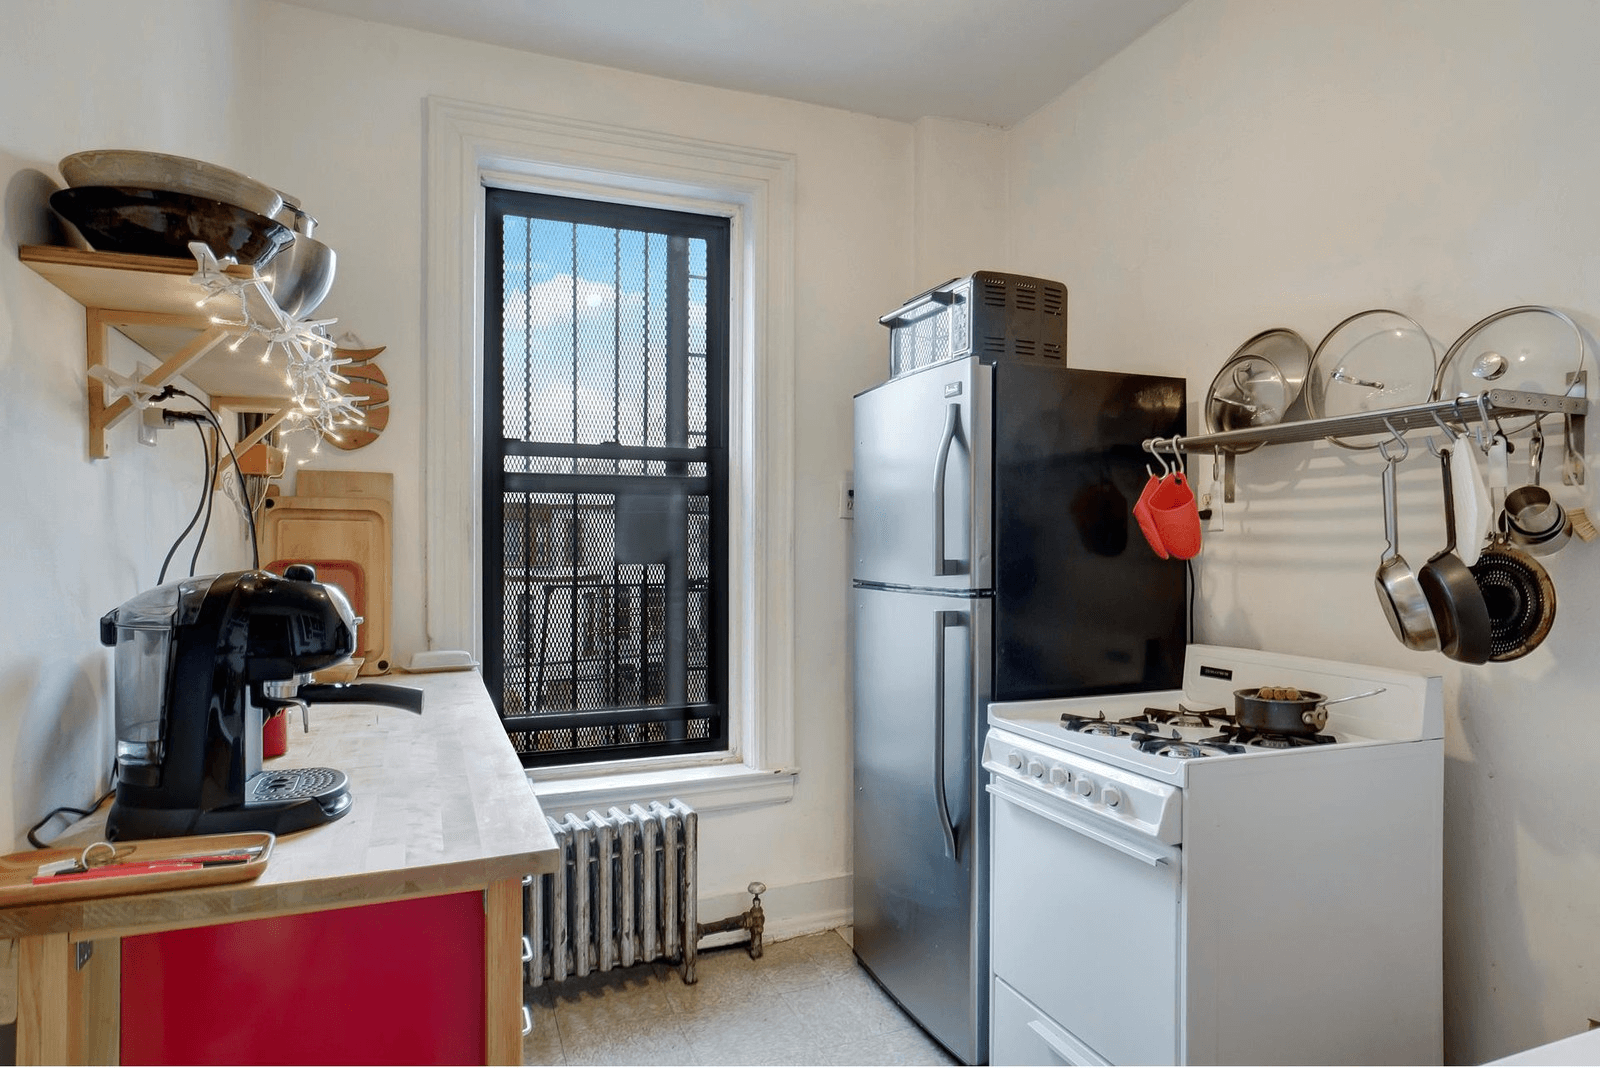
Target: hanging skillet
(1520,597)
(1453,594)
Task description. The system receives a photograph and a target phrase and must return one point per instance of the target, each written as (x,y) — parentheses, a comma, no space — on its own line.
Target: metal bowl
(177,174)
(155,222)
(301,276)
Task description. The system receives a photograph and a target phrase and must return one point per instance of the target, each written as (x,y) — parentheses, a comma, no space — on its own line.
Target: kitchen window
(605,477)
(473,147)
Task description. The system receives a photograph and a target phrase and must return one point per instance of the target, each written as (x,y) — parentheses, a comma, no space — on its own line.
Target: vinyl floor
(806,1001)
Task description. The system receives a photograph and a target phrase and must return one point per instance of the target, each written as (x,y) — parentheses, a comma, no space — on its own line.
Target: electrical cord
(173,391)
(205,458)
(33,832)
(214,465)
(1192,591)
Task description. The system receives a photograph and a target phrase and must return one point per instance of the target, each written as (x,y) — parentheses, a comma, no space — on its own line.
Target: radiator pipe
(751,919)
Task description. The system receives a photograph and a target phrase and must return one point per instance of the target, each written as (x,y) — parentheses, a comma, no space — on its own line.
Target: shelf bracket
(279,409)
(103,416)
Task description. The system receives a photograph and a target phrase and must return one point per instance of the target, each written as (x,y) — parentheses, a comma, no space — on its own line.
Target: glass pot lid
(1372,360)
(1249,391)
(1530,348)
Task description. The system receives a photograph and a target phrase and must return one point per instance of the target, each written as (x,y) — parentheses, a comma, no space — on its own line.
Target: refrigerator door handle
(952,429)
(943,621)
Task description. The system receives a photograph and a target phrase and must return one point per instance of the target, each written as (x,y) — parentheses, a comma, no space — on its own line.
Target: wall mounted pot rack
(1492,404)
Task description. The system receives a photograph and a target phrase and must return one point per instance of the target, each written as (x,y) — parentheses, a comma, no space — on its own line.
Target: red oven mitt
(1147,519)
(1177,519)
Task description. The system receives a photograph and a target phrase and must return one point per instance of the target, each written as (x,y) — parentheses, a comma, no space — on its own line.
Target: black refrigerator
(995,558)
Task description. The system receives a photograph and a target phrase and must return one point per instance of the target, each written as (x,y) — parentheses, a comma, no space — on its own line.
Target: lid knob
(300,573)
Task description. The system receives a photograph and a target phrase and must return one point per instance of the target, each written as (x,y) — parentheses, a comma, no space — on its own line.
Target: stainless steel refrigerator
(995,558)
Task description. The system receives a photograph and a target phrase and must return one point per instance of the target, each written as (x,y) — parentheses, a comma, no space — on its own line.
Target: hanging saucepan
(1305,714)
(1453,595)
(1520,597)
(1404,603)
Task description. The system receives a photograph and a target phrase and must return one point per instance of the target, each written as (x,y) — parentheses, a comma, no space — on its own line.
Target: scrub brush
(1582,525)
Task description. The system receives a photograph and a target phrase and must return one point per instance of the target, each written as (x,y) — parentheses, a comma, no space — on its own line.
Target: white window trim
(469,145)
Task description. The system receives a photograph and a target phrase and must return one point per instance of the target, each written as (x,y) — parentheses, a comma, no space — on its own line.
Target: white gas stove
(1260,898)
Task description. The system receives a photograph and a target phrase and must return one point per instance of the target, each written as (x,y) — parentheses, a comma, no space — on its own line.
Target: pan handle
(1353,697)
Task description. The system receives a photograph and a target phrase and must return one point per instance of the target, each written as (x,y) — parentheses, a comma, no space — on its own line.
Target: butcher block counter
(390,935)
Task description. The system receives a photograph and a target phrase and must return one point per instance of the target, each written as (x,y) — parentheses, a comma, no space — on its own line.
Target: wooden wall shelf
(150,300)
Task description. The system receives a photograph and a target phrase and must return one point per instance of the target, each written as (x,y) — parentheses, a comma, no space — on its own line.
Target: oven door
(1085,926)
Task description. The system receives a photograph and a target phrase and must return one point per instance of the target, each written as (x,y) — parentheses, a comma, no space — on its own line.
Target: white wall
(1252,164)
(959,198)
(338,120)
(80,537)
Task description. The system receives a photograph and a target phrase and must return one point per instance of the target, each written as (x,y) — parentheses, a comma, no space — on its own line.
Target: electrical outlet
(847,499)
(1210,506)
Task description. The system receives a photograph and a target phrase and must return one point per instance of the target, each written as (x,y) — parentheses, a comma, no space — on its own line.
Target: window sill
(704,789)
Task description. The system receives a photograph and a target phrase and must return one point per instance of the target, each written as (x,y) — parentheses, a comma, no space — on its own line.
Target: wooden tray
(18,869)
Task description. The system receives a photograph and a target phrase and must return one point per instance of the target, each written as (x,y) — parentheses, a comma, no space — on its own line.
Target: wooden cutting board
(357,529)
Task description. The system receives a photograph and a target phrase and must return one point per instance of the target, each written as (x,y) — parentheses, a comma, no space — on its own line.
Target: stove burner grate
(1259,739)
(1184,716)
(1176,748)
(293,784)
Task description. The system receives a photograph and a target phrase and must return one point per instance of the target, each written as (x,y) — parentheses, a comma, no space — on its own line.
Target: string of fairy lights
(310,355)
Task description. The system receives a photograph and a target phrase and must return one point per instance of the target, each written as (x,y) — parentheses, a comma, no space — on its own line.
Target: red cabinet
(400,982)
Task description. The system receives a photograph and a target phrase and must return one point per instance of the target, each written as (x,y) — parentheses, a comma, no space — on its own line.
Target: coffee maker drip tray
(295,784)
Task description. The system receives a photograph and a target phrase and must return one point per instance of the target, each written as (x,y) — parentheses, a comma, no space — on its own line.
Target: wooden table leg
(67,1013)
(502,960)
(43,1027)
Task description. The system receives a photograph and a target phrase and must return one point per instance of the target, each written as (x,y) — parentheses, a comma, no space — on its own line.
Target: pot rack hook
(1400,439)
(1177,455)
(1150,447)
(1483,420)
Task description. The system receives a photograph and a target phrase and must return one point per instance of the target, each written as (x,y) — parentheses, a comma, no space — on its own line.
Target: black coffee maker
(199,663)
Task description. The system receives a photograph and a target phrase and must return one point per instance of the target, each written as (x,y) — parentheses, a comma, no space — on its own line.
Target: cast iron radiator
(624,894)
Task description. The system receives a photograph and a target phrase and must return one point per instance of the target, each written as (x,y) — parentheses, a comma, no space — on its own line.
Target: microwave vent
(990,314)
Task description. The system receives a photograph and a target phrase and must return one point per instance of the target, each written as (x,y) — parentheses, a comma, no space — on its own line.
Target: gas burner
(1139,725)
(1190,717)
(1249,736)
(1106,730)
(1177,749)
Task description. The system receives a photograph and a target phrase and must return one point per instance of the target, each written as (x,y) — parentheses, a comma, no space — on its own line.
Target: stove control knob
(1059,776)
(1036,769)
(1111,796)
(1014,758)
(1085,787)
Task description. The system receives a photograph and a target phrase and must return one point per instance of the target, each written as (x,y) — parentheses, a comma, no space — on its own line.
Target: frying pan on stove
(1520,597)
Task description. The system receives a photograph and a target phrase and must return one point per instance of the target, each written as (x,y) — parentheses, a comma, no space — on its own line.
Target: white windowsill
(704,789)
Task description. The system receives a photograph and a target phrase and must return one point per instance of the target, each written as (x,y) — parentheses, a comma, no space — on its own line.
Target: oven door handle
(1005,793)
(1062,1051)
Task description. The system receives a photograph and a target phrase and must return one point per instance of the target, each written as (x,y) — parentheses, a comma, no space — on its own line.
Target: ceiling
(989,61)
